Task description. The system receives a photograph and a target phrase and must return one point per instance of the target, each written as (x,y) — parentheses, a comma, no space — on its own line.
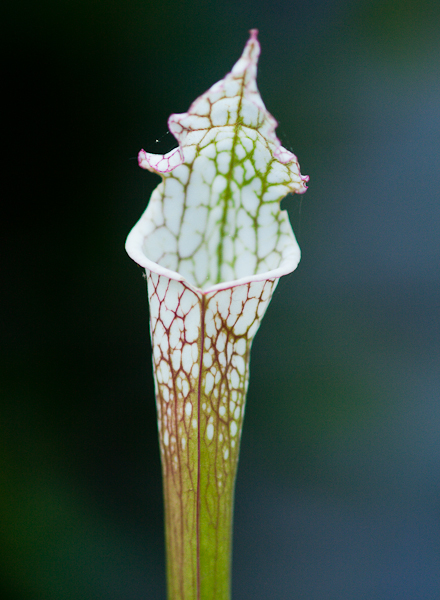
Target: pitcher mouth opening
(135,247)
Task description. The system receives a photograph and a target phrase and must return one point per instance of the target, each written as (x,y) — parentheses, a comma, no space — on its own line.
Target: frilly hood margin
(207,223)
(213,243)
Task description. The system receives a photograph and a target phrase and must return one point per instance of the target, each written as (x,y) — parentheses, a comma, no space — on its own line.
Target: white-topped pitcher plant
(213,242)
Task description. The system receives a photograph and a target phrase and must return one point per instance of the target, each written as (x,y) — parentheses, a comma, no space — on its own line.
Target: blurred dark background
(338,491)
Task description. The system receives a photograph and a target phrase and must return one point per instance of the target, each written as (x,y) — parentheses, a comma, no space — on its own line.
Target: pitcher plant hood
(215,219)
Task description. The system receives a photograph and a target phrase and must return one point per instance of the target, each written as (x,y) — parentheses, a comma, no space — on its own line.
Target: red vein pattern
(201,347)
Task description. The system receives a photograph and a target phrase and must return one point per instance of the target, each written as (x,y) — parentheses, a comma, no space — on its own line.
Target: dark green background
(338,486)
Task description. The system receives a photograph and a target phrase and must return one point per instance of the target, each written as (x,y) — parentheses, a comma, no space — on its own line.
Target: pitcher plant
(214,243)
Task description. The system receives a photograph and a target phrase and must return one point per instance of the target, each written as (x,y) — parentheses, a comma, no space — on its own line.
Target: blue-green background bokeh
(338,491)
